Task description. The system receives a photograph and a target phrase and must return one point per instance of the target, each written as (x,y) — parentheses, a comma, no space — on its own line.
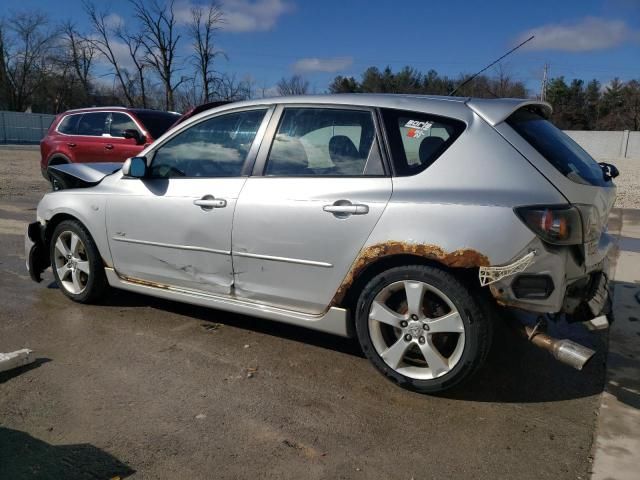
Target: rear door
(318,189)
(571,170)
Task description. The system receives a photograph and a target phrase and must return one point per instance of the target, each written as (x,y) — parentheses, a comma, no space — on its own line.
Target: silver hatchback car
(401,220)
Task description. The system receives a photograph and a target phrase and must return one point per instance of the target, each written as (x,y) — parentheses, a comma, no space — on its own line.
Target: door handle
(71,144)
(108,146)
(209,202)
(343,208)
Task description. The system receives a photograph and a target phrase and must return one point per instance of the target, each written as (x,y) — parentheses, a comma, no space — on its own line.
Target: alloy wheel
(416,329)
(71,262)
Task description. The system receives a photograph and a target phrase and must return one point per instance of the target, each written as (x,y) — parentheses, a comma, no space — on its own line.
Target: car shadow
(515,371)
(121,298)
(26,457)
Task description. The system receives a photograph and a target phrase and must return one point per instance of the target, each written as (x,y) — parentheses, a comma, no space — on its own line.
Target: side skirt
(333,321)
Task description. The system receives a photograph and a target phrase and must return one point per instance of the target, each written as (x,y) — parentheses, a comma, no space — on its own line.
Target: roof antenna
(490,65)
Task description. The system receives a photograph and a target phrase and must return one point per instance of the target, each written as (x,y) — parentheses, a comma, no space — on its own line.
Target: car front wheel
(76,263)
(421,328)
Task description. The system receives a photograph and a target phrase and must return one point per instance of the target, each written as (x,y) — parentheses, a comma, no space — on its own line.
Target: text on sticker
(417,128)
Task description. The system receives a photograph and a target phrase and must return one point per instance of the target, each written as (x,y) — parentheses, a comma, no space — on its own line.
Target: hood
(80,175)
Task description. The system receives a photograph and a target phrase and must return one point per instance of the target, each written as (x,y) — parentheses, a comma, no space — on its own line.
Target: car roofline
(493,111)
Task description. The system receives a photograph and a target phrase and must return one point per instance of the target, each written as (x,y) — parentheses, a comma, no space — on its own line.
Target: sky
(319,39)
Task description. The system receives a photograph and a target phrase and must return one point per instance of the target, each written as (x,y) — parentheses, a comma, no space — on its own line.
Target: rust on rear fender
(461,258)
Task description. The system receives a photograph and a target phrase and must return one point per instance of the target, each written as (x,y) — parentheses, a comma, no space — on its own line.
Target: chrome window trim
(104,135)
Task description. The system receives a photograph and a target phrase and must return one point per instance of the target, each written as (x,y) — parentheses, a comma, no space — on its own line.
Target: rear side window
(93,124)
(69,124)
(557,147)
(418,139)
(325,142)
(119,123)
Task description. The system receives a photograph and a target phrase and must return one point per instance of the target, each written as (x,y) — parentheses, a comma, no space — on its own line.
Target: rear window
(418,139)
(557,147)
(157,123)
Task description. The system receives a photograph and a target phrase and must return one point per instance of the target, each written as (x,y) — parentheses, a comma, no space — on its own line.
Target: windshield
(157,123)
(558,148)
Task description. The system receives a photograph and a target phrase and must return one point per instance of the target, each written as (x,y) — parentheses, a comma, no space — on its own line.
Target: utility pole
(545,75)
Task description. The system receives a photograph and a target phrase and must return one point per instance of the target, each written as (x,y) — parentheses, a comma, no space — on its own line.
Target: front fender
(86,206)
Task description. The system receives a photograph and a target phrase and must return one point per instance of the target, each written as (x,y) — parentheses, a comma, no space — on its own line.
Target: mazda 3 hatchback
(404,221)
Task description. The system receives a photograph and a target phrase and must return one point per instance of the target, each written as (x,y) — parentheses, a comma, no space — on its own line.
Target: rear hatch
(583,181)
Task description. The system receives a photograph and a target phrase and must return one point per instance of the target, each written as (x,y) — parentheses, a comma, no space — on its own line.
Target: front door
(174,227)
(300,225)
(121,148)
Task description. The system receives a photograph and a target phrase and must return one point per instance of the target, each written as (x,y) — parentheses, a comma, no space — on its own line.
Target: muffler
(566,351)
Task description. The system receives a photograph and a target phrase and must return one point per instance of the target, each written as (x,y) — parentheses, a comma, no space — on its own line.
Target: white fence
(20,127)
(608,145)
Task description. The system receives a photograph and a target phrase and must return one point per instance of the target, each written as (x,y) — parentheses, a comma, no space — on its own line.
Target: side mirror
(135,167)
(135,134)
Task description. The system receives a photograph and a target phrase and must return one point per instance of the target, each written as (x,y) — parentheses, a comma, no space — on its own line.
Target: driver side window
(216,147)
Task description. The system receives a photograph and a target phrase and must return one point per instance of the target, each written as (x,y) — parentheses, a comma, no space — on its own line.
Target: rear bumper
(36,254)
(559,281)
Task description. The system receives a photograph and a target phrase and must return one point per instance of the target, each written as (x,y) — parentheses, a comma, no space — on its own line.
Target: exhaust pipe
(566,351)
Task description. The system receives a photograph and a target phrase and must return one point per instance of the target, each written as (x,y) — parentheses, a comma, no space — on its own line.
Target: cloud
(121,52)
(588,34)
(242,15)
(329,65)
(113,20)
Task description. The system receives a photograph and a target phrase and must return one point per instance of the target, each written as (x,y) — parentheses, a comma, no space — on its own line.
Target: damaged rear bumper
(36,254)
(552,280)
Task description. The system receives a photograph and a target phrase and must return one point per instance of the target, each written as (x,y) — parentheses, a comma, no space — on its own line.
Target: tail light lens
(559,225)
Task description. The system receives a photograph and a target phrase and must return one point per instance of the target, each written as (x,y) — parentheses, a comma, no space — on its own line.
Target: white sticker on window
(417,128)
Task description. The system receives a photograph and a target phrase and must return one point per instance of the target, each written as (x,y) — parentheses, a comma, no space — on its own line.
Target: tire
(422,328)
(76,263)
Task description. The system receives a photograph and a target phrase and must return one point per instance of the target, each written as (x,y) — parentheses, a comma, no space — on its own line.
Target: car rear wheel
(422,328)
(76,263)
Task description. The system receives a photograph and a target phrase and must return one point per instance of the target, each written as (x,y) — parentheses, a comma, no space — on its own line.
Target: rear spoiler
(495,111)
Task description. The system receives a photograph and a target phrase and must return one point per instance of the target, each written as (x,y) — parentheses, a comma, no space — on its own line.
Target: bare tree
(135,47)
(295,85)
(25,64)
(229,88)
(160,40)
(103,43)
(80,54)
(202,29)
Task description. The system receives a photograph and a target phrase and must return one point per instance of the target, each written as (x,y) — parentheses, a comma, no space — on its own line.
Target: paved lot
(155,389)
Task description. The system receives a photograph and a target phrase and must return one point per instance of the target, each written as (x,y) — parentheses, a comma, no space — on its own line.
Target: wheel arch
(58,158)
(60,217)
(348,298)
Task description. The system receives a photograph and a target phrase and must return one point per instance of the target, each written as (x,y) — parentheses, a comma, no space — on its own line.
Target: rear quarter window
(557,148)
(418,139)
(69,124)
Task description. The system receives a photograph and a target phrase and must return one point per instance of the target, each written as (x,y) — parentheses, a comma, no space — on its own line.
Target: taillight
(560,225)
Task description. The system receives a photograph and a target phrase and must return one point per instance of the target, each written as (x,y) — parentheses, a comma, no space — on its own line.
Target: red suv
(103,134)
